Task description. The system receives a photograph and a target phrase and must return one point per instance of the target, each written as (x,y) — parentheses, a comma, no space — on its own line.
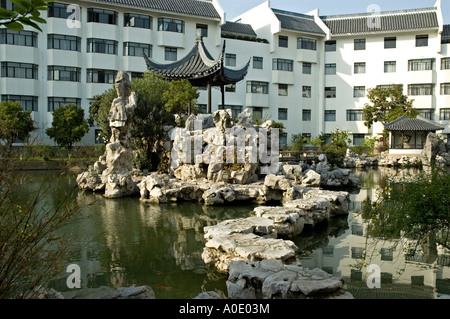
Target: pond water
(121,242)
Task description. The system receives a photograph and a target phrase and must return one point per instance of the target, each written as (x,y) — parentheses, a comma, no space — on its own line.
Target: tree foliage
(24,13)
(337,148)
(181,97)
(298,142)
(68,126)
(386,105)
(15,123)
(423,214)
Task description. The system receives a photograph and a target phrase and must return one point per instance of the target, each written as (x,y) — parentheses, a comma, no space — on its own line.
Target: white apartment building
(307,71)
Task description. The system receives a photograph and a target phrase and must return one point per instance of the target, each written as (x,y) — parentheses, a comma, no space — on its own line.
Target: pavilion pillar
(222,90)
(209,99)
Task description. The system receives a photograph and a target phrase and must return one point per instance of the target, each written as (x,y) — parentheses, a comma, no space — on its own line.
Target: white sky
(233,8)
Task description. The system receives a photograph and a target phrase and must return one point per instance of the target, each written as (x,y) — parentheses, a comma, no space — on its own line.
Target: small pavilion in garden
(408,135)
(201,70)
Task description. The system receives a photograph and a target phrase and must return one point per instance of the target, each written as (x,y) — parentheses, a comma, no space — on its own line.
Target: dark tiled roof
(199,67)
(187,7)
(297,22)
(235,28)
(395,21)
(413,124)
(446,32)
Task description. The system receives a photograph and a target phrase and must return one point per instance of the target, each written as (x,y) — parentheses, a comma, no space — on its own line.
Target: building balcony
(420,76)
(64,89)
(170,39)
(284,77)
(16,53)
(310,56)
(423,101)
(138,35)
(258,100)
(16,86)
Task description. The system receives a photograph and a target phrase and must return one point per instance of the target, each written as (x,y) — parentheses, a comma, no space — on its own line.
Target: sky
(234,8)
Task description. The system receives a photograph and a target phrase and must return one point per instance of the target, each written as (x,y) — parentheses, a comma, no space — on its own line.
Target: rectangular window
(203,29)
(258,62)
(283,41)
(444,114)
(101,76)
(390,66)
(306,92)
(308,136)
(445,64)
(330,92)
(97,45)
(170,54)
(445,88)
(58,10)
(282,114)
(330,46)
(421,65)
(230,59)
(306,68)
(28,103)
(359,91)
(282,65)
(388,86)
(135,20)
(359,67)
(64,73)
(22,38)
(230,88)
(422,40)
(257,87)
(307,44)
(282,89)
(359,44)
(358,139)
(390,42)
(427,113)
(257,112)
(306,115)
(330,116)
(63,42)
(330,68)
(420,89)
(136,75)
(19,70)
(102,16)
(171,25)
(355,115)
(55,102)
(137,49)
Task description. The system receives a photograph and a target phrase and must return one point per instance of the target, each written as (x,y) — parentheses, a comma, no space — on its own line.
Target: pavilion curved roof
(413,124)
(199,67)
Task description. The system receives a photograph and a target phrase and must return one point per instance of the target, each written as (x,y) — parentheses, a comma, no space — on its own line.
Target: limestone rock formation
(271,279)
(112,173)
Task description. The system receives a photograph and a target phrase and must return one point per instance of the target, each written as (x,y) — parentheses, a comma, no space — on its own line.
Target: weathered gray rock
(271,279)
(311,179)
(208,295)
(430,149)
(288,222)
(316,209)
(277,182)
(220,251)
(141,292)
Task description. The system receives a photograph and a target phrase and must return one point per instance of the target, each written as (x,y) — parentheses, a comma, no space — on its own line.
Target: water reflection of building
(349,255)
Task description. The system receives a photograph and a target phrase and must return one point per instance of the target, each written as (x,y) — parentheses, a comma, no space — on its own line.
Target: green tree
(386,105)
(15,123)
(337,148)
(24,13)
(181,97)
(423,215)
(320,140)
(298,142)
(68,126)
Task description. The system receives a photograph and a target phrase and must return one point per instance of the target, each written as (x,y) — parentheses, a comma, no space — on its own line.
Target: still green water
(121,242)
